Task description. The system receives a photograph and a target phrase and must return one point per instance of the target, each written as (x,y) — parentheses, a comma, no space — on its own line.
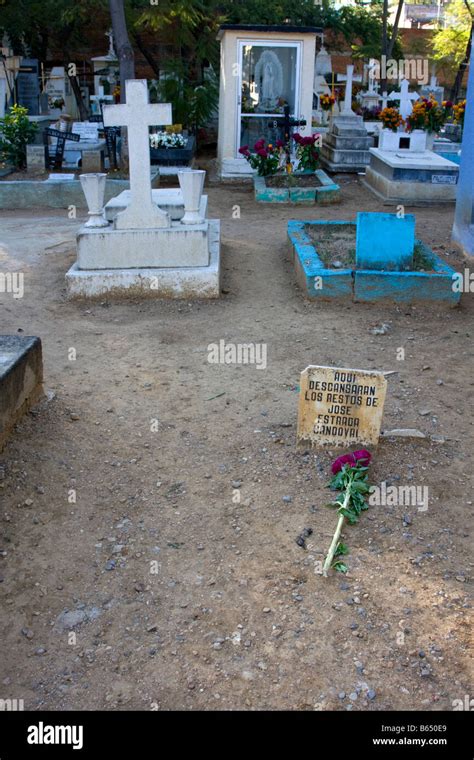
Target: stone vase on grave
(93,186)
(192,186)
(430,138)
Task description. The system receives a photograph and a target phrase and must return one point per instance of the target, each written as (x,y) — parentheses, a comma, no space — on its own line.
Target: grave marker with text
(340,407)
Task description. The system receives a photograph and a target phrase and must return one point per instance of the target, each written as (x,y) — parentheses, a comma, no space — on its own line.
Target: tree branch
(154,65)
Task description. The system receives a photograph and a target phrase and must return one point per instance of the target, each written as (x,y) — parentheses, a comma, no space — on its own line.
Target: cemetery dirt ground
(132,539)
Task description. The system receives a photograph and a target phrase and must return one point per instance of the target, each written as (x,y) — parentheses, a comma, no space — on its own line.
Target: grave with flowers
(404,168)
(290,173)
(171,148)
(375,258)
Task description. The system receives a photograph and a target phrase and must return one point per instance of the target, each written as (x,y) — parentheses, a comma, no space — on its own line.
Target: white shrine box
(415,141)
(263,68)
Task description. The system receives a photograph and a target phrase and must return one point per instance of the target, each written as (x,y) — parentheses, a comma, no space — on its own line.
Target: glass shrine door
(269,80)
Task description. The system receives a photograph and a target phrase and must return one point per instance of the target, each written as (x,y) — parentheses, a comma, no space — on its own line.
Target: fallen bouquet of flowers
(350,474)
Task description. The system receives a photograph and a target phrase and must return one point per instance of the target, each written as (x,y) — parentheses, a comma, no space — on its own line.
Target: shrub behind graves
(16,132)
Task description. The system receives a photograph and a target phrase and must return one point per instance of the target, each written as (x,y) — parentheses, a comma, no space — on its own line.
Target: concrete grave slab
(107,248)
(152,282)
(21,379)
(170,200)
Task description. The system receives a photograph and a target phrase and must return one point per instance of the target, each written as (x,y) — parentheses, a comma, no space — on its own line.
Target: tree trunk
(126,58)
(123,47)
(83,112)
(395,29)
(388,44)
(383,80)
(462,69)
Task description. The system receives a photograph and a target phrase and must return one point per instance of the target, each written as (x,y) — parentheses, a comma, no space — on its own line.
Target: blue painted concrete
(367,285)
(454,157)
(325,191)
(384,241)
(463,229)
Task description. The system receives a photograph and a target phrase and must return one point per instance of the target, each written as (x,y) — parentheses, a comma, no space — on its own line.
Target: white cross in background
(405,98)
(137,114)
(348,93)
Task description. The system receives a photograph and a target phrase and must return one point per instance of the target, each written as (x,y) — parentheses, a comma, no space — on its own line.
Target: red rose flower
(259,144)
(244,150)
(262,152)
(363,456)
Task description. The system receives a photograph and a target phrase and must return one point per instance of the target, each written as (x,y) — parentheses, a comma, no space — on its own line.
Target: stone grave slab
(142,247)
(169,200)
(106,248)
(21,379)
(385,241)
(340,407)
(411,177)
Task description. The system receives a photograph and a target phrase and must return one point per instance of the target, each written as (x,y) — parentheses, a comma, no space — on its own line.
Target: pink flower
(363,456)
(244,150)
(262,152)
(259,144)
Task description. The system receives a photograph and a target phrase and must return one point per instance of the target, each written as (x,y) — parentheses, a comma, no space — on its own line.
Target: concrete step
(21,379)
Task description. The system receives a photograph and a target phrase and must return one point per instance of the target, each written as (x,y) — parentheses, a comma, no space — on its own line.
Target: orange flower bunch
(391,118)
(427,114)
(326,102)
(459,110)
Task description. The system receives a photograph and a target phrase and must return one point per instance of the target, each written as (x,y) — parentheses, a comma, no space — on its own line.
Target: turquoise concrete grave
(319,281)
(385,241)
(324,190)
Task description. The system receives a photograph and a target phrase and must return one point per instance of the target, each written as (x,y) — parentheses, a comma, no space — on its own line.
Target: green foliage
(449,43)
(34,26)
(350,502)
(193,102)
(16,132)
(359,24)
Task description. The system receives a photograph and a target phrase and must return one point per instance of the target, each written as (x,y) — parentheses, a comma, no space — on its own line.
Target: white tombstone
(137,114)
(144,251)
(322,63)
(405,98)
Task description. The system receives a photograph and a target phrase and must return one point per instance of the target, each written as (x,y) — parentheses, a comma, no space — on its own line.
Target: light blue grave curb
(312,276)
(325,192)
(366,285)
(44,194)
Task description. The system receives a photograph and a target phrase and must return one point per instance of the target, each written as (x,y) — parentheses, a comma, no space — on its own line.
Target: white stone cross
(384,99)
(405,98)
(348,93)
(137,114)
